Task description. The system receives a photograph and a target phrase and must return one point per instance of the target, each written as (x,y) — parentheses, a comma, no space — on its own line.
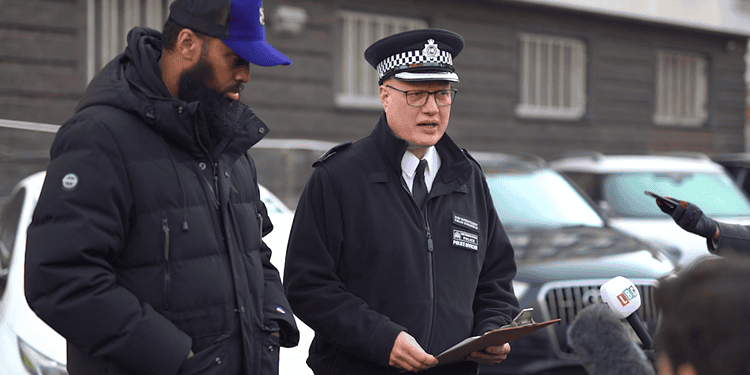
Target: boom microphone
(621,295)
(603,346)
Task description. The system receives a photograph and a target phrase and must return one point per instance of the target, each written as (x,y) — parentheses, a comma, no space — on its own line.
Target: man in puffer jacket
(145,250)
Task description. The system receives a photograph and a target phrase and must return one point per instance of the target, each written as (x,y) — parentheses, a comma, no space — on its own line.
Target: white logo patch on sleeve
(70,181)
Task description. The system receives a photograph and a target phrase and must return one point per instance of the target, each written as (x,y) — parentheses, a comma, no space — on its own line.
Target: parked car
(29,346)
(738,166)
(564,250)
(617,183)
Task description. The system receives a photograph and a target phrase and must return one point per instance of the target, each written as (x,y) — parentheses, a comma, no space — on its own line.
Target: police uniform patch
(465,222)
(465,239)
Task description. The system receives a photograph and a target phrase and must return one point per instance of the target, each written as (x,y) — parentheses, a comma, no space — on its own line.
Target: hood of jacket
(132,82)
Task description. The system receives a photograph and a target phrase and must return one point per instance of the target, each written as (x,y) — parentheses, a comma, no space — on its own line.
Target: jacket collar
(454,163)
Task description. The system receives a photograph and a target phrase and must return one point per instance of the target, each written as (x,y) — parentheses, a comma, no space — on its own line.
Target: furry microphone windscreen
(603,346)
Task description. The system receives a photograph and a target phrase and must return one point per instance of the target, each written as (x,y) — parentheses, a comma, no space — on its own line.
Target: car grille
(565,299)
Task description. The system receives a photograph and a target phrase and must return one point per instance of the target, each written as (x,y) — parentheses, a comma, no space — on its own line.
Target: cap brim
(427,76)
(257,52)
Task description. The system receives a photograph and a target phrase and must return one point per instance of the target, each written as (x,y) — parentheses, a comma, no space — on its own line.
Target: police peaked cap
(416,55)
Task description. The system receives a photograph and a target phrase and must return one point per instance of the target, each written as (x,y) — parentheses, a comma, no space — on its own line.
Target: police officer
(396,250)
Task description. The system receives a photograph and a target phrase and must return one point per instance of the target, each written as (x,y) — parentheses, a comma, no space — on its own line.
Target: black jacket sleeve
(277,312)
(733,239)
(77,228)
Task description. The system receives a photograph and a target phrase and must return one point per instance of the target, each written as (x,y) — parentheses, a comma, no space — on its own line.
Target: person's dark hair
(705,317)
(170,32)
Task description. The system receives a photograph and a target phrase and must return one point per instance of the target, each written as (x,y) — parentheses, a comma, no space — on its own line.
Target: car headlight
(520,288)
(38,364)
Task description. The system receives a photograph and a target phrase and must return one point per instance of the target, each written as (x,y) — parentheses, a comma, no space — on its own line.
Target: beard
(221,113)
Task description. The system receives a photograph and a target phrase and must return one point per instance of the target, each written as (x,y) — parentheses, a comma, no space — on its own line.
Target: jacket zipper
(214,166)
(430,258)
(430,262)
(167,271)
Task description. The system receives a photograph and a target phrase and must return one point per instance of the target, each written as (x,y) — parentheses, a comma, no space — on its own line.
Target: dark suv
(564,251)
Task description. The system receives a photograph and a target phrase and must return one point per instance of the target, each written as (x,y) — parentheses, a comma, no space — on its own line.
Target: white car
(617,183)
(29,346)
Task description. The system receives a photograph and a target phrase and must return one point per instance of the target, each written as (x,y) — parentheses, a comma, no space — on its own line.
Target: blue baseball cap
(240,24)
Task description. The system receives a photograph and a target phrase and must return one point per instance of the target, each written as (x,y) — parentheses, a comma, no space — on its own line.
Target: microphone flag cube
(622,296)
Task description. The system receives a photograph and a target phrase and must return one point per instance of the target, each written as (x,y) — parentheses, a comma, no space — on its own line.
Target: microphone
(621,295)
(603,346)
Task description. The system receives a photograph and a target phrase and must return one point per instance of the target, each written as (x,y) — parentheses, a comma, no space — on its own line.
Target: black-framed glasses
(418,98)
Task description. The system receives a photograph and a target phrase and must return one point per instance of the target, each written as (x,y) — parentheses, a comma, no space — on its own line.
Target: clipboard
(522,325)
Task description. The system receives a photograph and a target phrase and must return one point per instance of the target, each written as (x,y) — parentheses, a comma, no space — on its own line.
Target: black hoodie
(145,243)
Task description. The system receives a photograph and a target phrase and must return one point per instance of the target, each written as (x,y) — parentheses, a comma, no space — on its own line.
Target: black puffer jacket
(145,243)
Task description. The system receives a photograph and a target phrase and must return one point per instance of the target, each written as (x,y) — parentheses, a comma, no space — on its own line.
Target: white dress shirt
(409,165)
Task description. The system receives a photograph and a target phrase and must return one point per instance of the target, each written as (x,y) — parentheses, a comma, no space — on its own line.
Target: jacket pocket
(212,360)
(269,360)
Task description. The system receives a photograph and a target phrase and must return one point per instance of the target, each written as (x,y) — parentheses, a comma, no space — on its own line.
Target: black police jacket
(146,242)
(365,263)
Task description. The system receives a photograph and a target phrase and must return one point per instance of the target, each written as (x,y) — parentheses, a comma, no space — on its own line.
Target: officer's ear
(385,94)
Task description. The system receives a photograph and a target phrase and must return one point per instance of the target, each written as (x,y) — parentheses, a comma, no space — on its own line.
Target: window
(357,82)
(108,24)
(681,89)
(553,78)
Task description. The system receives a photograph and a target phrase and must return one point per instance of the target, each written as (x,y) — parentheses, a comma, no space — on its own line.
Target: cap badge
(262,19)
(431,50)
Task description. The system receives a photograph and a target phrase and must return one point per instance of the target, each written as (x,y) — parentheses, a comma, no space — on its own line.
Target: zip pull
(214,167)
(165,229)
(167,269)
(430,247)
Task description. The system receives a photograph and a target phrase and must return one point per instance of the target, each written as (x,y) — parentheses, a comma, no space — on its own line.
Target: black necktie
(419,189)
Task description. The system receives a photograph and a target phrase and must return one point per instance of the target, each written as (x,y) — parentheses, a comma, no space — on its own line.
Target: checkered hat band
(413,59)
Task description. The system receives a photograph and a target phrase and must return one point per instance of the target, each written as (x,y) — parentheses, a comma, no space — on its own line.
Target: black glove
(691,218)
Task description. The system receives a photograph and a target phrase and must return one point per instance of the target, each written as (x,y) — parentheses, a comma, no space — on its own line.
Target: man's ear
(189,46)
(385,96)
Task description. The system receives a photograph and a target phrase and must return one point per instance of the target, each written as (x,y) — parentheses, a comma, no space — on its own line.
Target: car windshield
(714,193)
(540,198)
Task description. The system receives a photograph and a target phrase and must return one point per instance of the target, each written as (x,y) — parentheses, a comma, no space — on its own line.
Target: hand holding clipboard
(522,325)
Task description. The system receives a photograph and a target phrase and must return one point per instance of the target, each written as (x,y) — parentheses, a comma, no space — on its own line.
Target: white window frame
(108,23)
(681,89)
(357,81)
(553,77)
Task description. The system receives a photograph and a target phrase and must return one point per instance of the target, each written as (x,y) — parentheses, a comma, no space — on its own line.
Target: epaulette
(468,155)
(331,152)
